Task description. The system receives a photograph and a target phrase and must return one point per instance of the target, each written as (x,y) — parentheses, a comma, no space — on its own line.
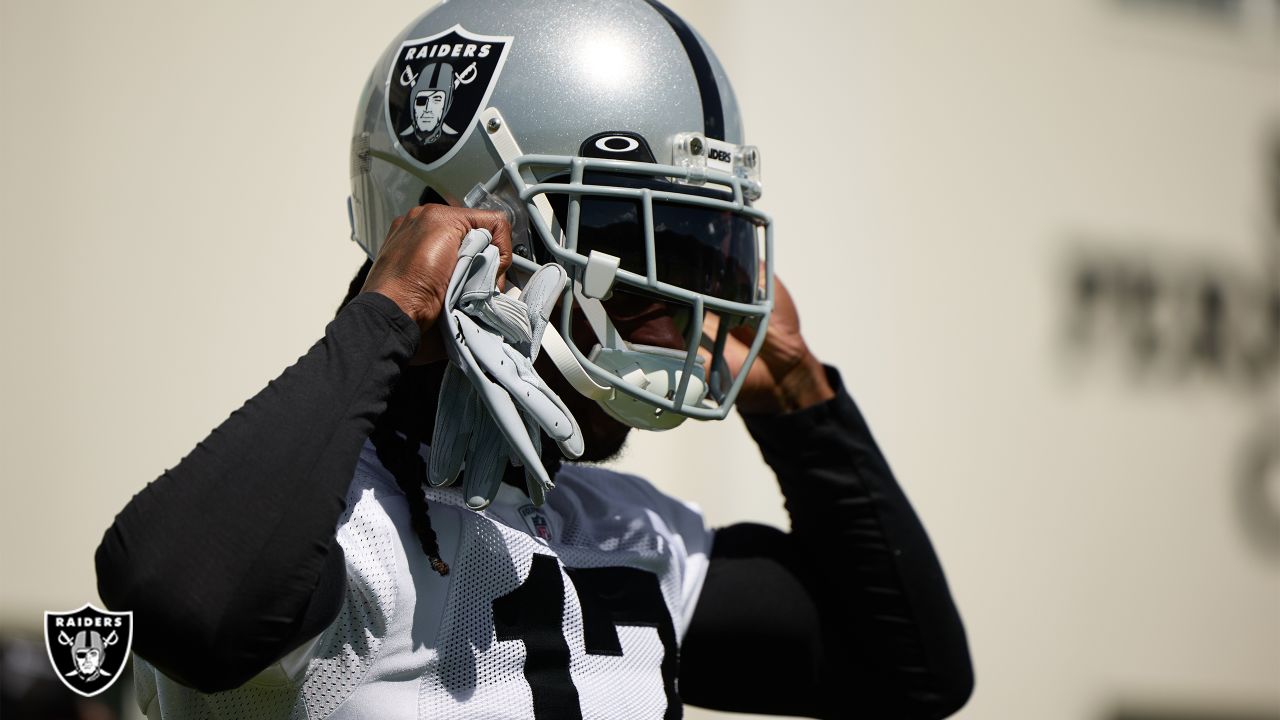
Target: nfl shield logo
(437,87)
(88,647)
(538,523)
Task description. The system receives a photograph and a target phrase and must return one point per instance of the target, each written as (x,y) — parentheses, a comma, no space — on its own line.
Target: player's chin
(602,436)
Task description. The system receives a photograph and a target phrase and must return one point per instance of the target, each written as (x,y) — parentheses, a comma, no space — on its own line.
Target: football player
(307,560)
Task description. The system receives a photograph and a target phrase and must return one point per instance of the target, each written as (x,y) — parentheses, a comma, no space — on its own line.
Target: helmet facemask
(687,264)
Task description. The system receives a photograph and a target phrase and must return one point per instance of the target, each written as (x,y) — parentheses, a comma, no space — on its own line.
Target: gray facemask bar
(515,173)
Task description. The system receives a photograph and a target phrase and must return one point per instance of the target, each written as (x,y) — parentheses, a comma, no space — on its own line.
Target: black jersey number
(610,597)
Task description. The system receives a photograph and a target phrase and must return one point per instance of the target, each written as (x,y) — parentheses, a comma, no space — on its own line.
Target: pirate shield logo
(88,647)
(437,86)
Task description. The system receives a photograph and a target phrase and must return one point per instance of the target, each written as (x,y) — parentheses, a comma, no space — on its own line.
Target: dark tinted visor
(706,250)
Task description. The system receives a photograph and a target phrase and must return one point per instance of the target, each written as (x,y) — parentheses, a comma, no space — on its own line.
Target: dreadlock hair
(399,452)
(400,456)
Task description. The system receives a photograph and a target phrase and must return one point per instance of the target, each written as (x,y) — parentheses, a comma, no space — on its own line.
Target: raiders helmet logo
(88,647)
(437,86)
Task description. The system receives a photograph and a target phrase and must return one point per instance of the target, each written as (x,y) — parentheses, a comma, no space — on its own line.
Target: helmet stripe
(708,88)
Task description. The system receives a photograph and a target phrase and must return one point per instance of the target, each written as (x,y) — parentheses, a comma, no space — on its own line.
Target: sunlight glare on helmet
(604,60)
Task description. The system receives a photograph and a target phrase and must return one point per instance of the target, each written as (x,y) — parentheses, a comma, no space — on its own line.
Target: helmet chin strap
(556,348)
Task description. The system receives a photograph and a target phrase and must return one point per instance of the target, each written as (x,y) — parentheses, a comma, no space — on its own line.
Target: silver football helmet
(610,134)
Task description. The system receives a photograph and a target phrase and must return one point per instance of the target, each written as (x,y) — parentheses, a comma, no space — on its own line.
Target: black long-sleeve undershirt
(851,609)
(229,560)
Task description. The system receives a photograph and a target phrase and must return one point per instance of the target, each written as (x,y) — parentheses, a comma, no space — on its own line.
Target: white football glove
(492,340)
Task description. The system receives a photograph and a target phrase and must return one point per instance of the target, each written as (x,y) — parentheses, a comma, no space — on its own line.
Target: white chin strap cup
(654,369)
(657,370)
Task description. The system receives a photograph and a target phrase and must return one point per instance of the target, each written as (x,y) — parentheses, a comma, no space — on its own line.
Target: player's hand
(418,258)
(785,376)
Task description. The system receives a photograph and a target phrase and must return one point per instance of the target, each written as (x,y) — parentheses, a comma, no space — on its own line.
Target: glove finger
(570,440)
(455,412)
(472,244)
(515,373)
(507,419)
(537,491)
(482,276)
(535,433)
(486,462)
(508,316)
(539,296)
(496,398)
(480,298)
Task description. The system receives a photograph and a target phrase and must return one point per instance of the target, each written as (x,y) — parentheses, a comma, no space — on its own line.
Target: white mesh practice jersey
(574,609)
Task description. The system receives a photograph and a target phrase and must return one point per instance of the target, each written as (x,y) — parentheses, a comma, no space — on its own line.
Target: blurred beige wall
(174,234)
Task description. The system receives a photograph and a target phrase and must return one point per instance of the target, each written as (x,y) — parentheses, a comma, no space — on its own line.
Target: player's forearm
(805,386)
(847,509)
(228,560)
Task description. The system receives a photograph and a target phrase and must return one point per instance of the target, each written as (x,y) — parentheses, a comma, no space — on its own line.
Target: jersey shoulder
(600,502)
